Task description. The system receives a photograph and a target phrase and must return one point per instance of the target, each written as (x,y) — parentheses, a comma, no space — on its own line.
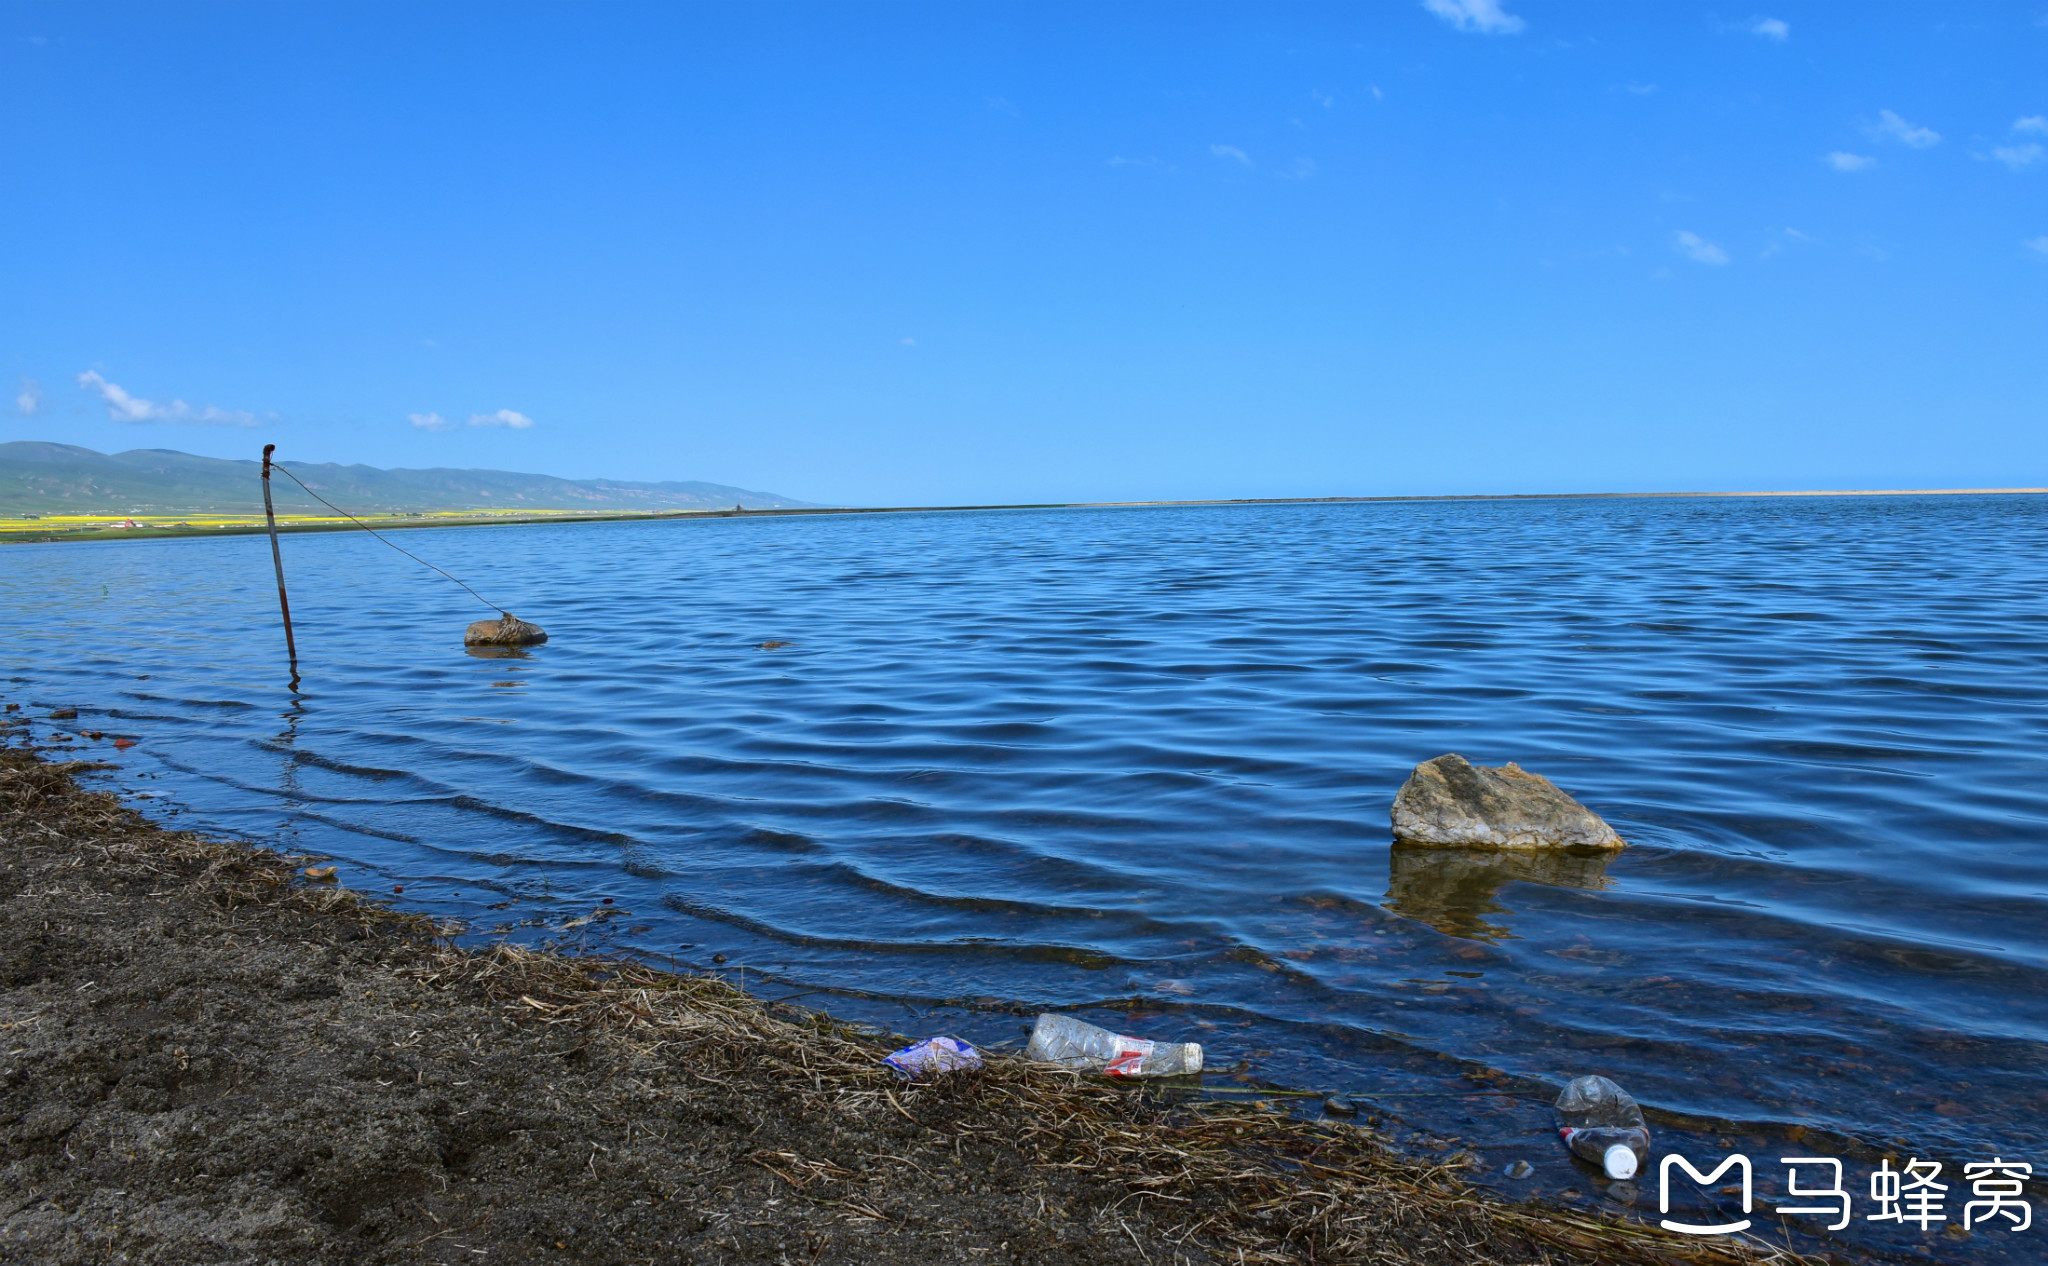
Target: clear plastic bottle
(1602,1123)
(1061,1039)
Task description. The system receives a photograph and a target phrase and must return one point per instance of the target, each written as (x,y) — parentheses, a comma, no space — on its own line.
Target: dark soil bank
(206,1059)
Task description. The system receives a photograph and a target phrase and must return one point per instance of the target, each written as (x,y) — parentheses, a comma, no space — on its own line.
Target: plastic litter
(1602,1123)
(1077,1044)
(932,1056)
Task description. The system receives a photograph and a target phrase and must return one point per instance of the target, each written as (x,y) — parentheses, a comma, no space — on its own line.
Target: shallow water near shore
(1141,761)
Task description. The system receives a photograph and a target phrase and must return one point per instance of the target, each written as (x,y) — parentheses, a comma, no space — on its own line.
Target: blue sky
(946,253)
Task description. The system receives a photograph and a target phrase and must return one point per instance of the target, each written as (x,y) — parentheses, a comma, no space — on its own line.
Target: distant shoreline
(33,535)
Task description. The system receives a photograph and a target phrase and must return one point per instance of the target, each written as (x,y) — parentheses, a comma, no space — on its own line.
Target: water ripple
(1142,760)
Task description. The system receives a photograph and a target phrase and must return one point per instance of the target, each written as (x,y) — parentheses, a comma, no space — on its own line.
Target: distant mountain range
(43,478)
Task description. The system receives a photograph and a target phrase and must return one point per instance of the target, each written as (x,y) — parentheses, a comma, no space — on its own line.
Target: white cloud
(430,421)
(1323,99)
(503,417)
(2038,246)
(2018,157)
(907,341)
(1483,16)
(1150,164)
(2032,123)
(1893,128)
(1302,169)
(1641,90)
(122,407)
(1231,151)
(1843,160)
(1698,249)
(1770,28)
(29,399)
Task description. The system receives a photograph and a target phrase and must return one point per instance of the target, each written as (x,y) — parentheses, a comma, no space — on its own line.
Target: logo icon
(1737,1161)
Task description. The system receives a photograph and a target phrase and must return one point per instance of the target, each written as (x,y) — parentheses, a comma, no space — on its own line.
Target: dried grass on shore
(1234,1181)
(1258,1182)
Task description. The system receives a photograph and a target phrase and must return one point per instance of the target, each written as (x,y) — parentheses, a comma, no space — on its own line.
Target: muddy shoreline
(204,1057)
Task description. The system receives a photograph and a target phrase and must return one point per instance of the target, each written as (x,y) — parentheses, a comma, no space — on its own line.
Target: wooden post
(277,560)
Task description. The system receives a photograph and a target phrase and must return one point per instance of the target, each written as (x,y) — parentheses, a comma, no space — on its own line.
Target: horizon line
(1438,496)
(527,516)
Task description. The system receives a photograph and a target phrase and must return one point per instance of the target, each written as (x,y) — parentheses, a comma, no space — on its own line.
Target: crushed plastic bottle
(1602,1123)
(1061,1039)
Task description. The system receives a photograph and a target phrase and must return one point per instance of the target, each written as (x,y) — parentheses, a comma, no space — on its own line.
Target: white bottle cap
(1621,1161)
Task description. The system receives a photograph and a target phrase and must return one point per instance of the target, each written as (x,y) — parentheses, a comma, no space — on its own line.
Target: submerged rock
(1451,801)
(1457,890)
(508,631)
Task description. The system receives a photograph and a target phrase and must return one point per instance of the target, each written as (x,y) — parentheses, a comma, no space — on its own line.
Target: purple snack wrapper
(932,1056)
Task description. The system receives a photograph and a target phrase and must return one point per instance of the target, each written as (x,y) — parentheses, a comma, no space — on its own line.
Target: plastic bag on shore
(932,1056)
(1061,1039)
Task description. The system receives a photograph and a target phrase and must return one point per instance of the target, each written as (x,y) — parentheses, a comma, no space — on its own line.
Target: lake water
(1140,762)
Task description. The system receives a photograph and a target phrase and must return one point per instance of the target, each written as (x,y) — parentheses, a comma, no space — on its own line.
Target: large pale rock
(509,631)
(1450,801)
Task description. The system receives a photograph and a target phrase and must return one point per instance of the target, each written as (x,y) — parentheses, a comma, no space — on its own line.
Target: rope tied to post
(279,466)
(506,630)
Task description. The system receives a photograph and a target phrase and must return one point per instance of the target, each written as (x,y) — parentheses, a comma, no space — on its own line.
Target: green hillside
(38,477)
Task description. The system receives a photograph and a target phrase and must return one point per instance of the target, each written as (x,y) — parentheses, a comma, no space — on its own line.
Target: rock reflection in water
(1451,889)
(496,652)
